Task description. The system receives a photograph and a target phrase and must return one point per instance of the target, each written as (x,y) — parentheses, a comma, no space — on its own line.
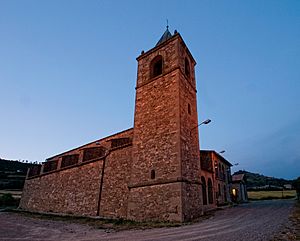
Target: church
(152,171)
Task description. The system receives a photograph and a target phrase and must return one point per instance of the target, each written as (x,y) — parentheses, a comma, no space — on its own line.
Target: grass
(265,195)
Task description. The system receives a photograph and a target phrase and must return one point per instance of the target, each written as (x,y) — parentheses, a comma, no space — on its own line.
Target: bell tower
(165,172)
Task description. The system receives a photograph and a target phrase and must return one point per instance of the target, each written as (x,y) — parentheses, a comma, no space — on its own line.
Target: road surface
(252,221)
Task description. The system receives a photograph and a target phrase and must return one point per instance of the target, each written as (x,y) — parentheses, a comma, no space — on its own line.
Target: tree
(296,185)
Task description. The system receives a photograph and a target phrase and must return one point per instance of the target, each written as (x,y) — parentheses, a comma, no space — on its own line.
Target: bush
(8,200)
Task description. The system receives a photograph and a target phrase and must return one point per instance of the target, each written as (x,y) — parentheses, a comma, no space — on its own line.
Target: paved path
(253,221)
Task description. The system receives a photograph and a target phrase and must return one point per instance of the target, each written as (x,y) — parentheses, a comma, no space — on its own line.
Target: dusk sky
(68,73)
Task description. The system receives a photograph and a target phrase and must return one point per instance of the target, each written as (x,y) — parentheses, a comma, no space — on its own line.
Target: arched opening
(210,191)
(204,195)
(156,66)
(187,67)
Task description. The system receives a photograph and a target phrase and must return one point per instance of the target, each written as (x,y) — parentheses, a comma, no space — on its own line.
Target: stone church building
(149,172)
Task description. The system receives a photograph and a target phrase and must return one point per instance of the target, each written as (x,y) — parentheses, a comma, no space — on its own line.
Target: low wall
(74,191)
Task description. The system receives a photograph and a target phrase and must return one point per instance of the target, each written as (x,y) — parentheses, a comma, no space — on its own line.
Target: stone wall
(156,203)
(114,198)
(155,143)
(192,201)
(74,191)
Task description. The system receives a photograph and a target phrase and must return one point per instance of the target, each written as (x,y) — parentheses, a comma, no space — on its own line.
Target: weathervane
(167,24)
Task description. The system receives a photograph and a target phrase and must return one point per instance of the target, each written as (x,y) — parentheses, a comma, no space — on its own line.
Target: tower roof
(167,35)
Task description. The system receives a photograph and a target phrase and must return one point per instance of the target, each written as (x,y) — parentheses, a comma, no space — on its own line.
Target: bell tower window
(156,66)
(187,67)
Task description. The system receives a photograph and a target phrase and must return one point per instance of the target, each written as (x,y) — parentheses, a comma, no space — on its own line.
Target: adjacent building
(215,179)
(239,188)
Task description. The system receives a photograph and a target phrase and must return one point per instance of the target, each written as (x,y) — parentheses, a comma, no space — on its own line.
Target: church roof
(167,35)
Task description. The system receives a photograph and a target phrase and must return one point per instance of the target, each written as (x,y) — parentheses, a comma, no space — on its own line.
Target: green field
(261,195)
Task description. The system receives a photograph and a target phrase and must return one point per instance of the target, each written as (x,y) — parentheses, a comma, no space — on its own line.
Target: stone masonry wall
(156,140)
(192,201)
(74,191)
(156,130)
(115,191)
(190,158)
(156,203)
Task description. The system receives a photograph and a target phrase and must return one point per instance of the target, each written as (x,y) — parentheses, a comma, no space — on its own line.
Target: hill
(258,181)
(13,174)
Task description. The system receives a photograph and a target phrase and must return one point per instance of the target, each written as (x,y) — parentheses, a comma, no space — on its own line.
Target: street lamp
(207,121)
(221,152)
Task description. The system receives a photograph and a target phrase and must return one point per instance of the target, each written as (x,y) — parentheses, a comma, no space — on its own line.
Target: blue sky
(68,73)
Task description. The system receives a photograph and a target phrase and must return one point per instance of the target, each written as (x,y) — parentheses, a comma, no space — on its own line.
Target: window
(216,169)
(93,153)
(34,171)
(156,66)
(204,195)
(189,109)
(50,166)
(186,67)
(69,160)
(223,173)
(152,174)
(206,163)
(210,191)
(120,142)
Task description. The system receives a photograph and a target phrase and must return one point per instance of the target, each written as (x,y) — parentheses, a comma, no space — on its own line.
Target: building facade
(149,172)
(239,188)
(215,179)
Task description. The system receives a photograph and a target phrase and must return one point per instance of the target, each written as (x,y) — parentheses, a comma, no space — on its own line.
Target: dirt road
(253,221)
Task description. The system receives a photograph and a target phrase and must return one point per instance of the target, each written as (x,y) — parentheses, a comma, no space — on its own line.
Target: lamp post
(207,121)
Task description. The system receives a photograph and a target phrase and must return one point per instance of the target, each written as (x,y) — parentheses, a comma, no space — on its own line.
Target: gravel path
(253,221)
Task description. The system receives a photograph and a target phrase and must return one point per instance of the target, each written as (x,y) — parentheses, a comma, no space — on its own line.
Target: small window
(189,109)
(186,67)
(156,66)
(152,174)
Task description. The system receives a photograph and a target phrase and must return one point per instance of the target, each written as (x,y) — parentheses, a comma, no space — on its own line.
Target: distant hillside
(13,174)
(255,180)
